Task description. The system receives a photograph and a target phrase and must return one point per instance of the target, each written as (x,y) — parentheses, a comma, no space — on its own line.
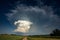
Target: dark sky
(45,15)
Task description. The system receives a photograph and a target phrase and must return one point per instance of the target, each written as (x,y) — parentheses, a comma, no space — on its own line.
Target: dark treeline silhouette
(55,32)
(8,34)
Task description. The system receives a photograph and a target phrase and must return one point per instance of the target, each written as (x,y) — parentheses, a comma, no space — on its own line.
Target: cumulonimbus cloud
(42,17)
(22,26)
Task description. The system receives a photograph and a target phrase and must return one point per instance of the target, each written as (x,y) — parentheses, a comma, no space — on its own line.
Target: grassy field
(10,37)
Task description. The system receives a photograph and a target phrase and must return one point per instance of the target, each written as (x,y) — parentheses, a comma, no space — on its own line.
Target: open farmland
(10,37)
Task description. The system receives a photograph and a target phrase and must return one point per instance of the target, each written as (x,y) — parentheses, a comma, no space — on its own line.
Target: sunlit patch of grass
(44,39)
(4,37)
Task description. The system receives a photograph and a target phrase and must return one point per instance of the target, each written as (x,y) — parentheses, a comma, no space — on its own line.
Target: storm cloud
(43,18)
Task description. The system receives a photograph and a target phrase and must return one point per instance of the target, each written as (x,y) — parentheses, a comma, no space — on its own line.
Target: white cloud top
(22,26)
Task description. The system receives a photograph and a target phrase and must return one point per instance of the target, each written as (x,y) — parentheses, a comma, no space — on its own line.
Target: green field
(10,37)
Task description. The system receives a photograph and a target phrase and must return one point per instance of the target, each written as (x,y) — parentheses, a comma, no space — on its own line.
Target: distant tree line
(8,34)
(55,32)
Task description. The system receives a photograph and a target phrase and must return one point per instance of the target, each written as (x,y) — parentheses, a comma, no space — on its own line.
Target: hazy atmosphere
(29,17)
